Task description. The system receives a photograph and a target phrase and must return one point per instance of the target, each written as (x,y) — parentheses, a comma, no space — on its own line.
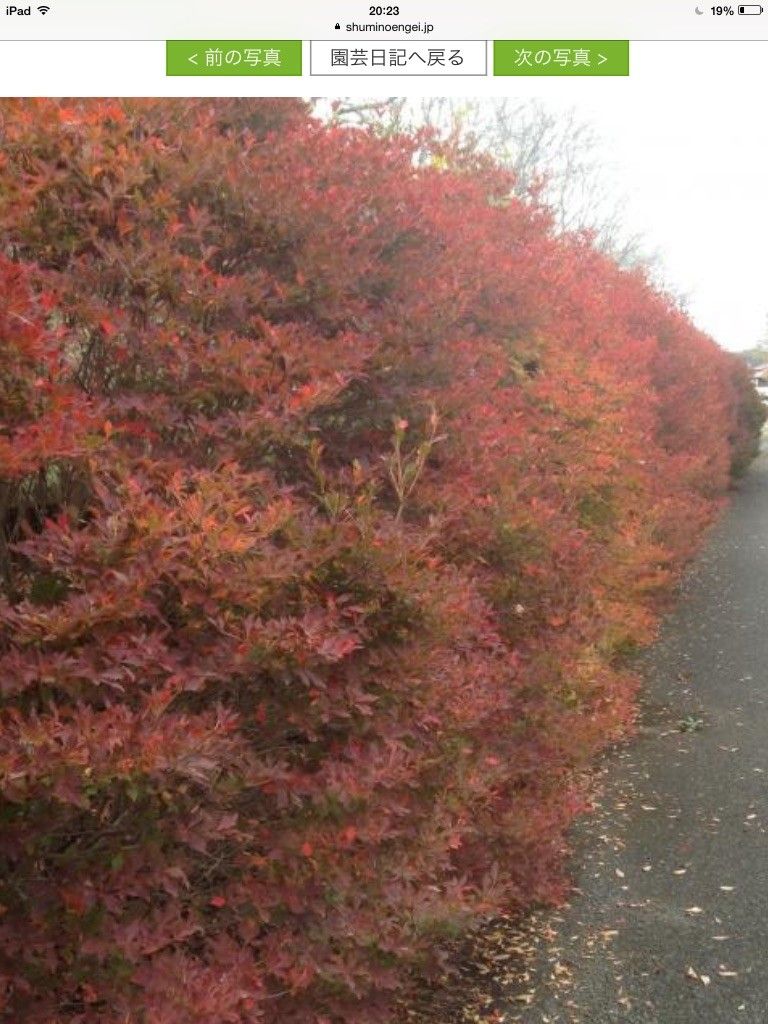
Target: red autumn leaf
(89,993)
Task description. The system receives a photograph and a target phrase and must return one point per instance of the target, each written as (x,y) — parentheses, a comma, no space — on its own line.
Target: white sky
(687,139)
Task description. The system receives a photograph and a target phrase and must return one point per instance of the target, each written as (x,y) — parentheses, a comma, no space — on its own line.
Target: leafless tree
(556,155)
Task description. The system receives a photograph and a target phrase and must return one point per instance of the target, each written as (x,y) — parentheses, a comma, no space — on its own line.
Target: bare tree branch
(554,156)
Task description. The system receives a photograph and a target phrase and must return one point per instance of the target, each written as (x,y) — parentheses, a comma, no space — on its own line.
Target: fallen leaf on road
(695,976)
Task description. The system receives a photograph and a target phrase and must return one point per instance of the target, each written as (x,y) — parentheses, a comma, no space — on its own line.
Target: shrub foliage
(333,488)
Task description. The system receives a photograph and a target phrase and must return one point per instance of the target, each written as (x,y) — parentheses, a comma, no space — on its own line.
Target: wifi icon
(43,9)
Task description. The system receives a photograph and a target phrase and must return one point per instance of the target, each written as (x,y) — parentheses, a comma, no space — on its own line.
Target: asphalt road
(669,924)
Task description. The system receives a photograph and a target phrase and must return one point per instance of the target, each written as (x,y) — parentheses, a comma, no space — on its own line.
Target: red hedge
(333,490)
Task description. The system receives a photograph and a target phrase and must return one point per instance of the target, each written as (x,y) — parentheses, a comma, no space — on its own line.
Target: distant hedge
(334,488)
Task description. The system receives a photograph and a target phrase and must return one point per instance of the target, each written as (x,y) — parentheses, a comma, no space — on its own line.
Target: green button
(572,57)
(233,57)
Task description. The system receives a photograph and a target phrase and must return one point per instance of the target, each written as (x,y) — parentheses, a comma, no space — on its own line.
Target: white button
(399,57)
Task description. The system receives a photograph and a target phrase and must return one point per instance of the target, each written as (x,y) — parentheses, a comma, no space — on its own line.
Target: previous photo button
(212,57)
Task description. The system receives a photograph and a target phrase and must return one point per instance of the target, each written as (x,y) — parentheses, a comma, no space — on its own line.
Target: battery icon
(750,9)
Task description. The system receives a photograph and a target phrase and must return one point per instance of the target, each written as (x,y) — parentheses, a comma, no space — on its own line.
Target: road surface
(671,922)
